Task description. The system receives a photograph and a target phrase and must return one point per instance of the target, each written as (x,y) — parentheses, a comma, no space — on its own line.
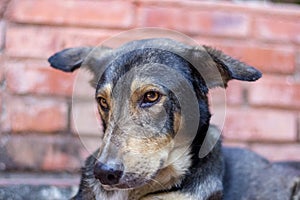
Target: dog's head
(149,92)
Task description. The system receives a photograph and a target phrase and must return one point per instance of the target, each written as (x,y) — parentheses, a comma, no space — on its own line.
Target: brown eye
(102,102)
(150,98)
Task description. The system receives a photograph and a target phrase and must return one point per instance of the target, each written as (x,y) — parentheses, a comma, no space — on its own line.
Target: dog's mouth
(120,186)
(125,185)
(116,187)
(128,181)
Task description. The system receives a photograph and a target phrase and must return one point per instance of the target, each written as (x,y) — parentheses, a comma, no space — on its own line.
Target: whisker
(157,182)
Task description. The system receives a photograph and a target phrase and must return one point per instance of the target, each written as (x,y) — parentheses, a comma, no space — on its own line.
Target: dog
(152,98)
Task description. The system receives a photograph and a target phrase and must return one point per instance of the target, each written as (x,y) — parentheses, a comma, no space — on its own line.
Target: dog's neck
(206,174)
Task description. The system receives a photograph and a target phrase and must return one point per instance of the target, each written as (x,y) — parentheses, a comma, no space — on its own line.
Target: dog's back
(249,176)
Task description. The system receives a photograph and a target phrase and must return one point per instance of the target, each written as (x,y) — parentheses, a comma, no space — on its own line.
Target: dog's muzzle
(108,174)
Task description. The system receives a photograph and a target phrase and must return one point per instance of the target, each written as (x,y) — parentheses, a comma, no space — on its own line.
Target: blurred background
(38,141)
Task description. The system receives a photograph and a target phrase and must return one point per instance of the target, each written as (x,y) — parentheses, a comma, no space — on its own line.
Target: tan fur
(177,121)
(105,93)
(176,166)
(148,145)
(170,196)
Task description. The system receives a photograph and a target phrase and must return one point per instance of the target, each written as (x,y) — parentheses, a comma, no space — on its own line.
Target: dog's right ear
(71,59)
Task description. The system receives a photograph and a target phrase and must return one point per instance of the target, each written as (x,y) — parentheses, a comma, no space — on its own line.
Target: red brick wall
(35,100)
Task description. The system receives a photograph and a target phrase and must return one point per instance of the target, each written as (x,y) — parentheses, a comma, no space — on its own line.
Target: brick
(1,109)
(278,29)
(233,96)
(85,120)
(217,102)
(42,42)
(278,152)
(218,115)
(82,87)
(235,144)
(40,153)
(271,59)
(35,179)
(2,86)
(116,14)
(217,23)
(279,59)
(281,10)
(35,114)
(2,61)
(260,125)
(217,96)
(63,155)
(257,8)
(37,77)
(272,91)
(2,34)
(89,145)
(3,4)
(234,93)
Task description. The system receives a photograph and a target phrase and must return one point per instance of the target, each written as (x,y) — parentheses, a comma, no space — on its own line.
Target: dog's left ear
(71,59)
(229,68)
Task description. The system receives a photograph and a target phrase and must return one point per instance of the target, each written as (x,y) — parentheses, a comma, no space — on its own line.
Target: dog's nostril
(107,175)
(111,177)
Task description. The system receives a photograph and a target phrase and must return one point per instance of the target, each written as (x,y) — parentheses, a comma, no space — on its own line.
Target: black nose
(108,174)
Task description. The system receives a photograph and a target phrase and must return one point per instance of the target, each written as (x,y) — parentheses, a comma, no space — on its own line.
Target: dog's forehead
(144,66)
(141,78)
